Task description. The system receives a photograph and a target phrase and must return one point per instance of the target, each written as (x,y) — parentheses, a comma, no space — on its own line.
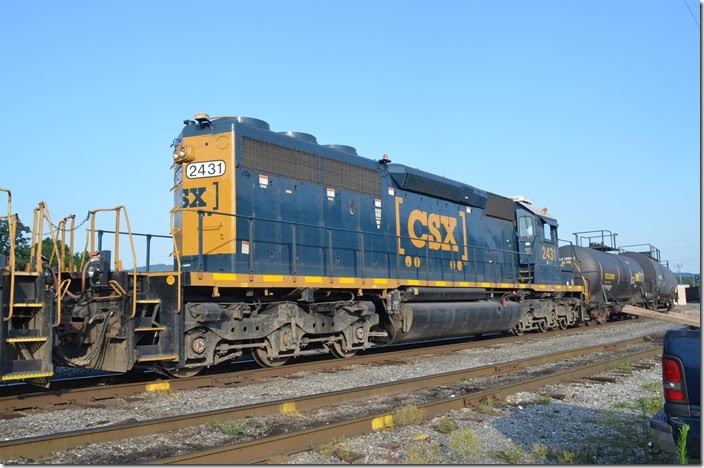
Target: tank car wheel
(262,358)
(517,330)
(337,351)
(562,323)
(542,326)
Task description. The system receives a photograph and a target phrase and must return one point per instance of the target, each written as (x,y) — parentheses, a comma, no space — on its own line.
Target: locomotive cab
(537,240)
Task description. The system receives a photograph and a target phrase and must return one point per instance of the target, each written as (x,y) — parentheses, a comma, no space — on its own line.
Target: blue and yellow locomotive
(284,247)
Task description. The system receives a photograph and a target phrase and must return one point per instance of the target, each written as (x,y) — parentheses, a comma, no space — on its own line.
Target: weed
(234,428)
(681,445)
(650,406)
(539,451)
(408,415)
(339,448)
(466,443)
(623,405)
(611,418)
(445,425)
(423,454)
(626,367)
(562,457)
(652,387)
(510,456)
(486,406)
(543,399)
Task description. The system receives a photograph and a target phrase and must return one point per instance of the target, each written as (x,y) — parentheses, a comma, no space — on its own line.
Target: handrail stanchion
(149,245)
(331,268)
(293,252)
(200,240)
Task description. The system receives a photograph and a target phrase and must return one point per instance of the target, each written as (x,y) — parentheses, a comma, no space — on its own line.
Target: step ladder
(26,334)
(149,333)
(26,306)
(526,274)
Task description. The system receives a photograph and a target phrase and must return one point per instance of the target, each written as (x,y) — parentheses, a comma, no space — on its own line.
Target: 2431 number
(198,170)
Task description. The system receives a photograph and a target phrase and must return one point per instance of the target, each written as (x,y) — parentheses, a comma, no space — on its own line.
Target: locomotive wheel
(184,373)
(262,358)
(542,326)
(337,351)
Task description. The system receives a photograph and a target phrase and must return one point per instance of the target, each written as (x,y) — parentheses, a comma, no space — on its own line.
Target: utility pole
(679,272)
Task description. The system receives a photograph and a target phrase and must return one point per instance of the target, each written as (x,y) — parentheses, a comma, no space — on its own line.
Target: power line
(691,13)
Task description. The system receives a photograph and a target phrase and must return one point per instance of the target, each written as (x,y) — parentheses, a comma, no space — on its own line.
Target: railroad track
(107,389)
(263,450)
(259,450)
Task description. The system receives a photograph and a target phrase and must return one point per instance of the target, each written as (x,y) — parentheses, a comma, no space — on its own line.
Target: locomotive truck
(284,247)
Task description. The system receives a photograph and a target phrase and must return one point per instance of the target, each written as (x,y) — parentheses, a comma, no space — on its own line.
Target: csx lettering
(193,197)
(428,228)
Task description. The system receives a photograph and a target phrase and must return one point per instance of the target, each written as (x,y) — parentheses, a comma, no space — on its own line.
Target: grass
(445,425)
(466,443)
(339,448)
(426,454)
(647,406)
(625,443)
(408,415)
(543,399)
(626,367)
(510,456)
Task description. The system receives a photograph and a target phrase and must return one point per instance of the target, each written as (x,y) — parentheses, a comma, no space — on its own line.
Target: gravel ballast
(152,405)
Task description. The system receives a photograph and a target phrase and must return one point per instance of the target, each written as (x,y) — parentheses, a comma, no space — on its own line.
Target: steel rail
(33,447)
(264,449)
(63,396)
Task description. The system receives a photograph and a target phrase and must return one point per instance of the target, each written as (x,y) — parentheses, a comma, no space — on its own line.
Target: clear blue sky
(588,108)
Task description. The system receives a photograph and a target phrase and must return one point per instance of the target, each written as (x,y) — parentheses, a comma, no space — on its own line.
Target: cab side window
(525,226)
(549,233)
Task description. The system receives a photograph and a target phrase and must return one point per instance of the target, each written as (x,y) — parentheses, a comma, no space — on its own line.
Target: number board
(205,169)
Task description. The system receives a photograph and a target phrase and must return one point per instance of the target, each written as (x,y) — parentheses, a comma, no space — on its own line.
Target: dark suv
(681,380)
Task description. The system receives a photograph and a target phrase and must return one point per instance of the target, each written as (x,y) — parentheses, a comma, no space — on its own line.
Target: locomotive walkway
(265,448)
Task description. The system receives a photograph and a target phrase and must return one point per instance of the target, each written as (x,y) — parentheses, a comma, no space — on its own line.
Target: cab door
(526,237)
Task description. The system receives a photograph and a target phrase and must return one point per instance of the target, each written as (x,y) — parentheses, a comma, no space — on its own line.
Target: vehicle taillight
(672,379)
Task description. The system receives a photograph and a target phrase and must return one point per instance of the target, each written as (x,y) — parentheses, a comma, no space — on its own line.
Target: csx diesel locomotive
(284,247)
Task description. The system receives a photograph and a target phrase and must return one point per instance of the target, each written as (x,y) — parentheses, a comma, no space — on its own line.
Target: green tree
(22,240)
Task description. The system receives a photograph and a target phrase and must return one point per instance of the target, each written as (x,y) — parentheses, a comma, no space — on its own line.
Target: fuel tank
(659,280)
(450,319)
(620,277)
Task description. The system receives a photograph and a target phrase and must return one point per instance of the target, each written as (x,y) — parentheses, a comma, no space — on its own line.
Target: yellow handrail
(43,211)
(118,262)
(177,256)
(12,233)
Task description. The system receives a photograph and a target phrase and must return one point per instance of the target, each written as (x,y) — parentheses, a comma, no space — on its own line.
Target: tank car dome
(245,121)
(343,148)
(301,136)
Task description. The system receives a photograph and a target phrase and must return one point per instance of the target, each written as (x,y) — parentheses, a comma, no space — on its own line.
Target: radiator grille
(351,177)
(275,159)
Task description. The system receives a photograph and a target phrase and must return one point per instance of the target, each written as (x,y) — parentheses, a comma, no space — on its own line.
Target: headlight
(175,154)
(182,152)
